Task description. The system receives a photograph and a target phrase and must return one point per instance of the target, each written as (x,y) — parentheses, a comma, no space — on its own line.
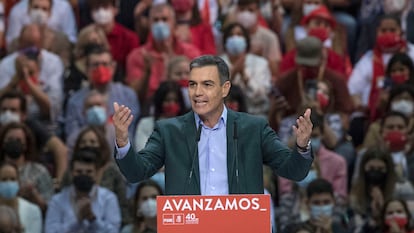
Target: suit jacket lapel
(190,131)
(231,119)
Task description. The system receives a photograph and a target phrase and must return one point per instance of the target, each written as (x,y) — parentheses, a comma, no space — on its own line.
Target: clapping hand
(303,129)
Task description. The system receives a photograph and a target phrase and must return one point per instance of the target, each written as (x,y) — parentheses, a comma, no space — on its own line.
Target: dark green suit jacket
(173,144)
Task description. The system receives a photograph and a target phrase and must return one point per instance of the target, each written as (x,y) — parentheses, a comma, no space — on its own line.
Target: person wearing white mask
(147,65)
(249,71)
(54,14)
(145,205)
(263,42)
(121,39)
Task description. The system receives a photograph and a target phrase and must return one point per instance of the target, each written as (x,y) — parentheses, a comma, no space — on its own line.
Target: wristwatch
(304,148)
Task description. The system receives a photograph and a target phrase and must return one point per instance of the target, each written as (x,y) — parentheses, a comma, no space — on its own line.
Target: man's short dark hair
(394,114)
(85,155)
(211,60)
(94,4)
(247,2)
(96,49)
(13,94)
(317,120)
(319,186)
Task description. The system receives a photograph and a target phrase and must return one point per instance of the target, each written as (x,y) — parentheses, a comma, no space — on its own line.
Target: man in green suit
(212,150)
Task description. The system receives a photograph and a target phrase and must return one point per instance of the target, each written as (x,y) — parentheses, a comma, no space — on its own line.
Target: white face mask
(102,16)
(9,117)
(247,19)
(148,208)
(38,16)
(394,6)
(405,107)
(308,8)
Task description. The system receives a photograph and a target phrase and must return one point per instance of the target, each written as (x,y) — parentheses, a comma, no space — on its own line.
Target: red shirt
(122,41)
(335,62)
(135,63)
(202,38)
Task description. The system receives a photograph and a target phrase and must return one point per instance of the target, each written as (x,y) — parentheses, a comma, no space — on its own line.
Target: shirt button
(213,169)
(213,188)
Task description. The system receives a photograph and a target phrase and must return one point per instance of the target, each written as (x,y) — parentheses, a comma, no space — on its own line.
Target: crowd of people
(65,62)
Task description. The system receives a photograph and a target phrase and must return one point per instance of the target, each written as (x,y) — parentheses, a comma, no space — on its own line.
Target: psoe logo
(168,219)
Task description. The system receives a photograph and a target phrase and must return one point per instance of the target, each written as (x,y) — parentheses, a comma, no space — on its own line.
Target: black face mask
(13,148)
(375,177)
(83,183)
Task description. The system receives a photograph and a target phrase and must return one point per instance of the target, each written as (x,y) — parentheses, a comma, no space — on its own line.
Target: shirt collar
(223,118)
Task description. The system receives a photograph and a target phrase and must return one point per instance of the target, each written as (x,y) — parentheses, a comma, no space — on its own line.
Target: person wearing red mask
(100,68)
(168,102)
(396,217)
(367,78)
(321,24)
(191,28)
(178,70)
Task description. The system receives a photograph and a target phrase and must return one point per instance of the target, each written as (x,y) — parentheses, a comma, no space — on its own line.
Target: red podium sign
(218,214)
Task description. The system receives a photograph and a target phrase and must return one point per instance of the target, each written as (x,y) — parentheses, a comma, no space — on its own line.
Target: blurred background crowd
(64,62)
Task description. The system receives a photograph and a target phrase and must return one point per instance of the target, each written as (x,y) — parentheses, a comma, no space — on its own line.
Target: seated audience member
(310,66)
(13,108)
(399,99)
(29,215)
(84,206)
(100,70)
(395,217)
(321,203)
(178,69)
(96,113)
(145,208)
(92,140)
(146,66)
(367,78)
(400,70)
(191,28)
(332,166)
(250,72)
(376,183)
(76,75)
(263,41)
(370,10)
(236,100)
(55,14)
(37,72)
(168,102)
(121,40)
(9,221)
(18,145)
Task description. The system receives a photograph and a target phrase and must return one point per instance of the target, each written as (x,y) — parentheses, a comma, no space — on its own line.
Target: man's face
(99,61)
(80,168)
(95,100)
(394,123)
(163,15)
(320,199)
(12,105)
(41,5)
(206,92)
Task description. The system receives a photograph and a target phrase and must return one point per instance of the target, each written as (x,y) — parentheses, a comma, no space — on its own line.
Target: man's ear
(226,88)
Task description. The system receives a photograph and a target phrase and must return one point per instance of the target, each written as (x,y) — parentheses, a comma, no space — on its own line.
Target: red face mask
(24,87)
(322,99)
(396,140)
(171,109)
(183,82)
(389,42)
(400,220)
(399,78)
(101,75)
(319,32)
(182,6)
